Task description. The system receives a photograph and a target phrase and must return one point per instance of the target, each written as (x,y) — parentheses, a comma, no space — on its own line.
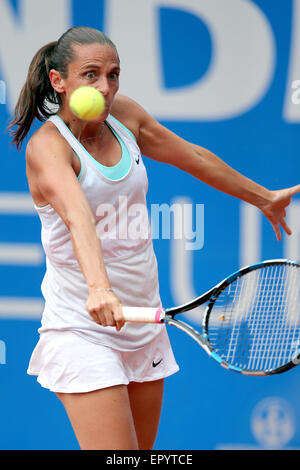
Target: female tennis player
(86,179)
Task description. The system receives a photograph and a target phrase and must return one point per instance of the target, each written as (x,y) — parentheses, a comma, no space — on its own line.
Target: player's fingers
(285,227)
(276,229)
(109,316)
(119,318)
(98,316)
(294,190)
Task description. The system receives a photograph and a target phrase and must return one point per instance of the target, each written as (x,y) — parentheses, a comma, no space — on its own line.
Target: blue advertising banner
(225,76)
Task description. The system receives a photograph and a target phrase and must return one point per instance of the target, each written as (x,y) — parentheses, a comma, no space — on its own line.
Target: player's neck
(84,131)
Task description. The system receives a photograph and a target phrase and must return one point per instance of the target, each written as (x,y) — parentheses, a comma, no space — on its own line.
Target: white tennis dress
(75,354)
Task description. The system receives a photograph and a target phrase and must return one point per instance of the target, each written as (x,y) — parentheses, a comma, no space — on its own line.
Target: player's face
(95,65)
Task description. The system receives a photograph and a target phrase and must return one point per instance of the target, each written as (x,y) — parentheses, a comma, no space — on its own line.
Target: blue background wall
(205,407)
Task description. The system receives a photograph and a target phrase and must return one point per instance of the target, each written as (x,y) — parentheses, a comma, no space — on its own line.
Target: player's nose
(103,86)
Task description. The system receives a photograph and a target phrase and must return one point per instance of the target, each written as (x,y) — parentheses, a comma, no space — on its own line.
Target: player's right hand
(105,308)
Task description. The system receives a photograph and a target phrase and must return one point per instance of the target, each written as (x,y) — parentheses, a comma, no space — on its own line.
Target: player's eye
(90,74)
(113,75)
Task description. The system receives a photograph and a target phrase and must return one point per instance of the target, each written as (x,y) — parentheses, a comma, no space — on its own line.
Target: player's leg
(146,402)
(101,419)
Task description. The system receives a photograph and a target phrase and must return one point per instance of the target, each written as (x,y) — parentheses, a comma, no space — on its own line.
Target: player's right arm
(52,179)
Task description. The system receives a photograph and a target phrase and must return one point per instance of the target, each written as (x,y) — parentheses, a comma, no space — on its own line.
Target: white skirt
(65,362)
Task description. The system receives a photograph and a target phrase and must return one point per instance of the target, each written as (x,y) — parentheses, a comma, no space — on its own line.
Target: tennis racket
(251,323)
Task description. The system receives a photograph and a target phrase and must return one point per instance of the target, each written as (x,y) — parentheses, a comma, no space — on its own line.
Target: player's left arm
(159,143)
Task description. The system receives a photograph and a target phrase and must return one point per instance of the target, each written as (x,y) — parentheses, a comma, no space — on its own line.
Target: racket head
(252,321)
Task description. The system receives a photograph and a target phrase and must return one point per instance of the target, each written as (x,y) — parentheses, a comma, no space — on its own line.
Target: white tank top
(120,211)
(119,206)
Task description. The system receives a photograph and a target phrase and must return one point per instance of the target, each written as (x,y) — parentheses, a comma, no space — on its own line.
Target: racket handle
(143,314)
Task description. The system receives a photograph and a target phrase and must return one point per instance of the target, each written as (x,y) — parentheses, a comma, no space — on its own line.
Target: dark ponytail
(38,99)
(36,95)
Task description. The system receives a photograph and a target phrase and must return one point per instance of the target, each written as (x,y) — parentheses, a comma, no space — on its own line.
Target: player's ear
(57,81)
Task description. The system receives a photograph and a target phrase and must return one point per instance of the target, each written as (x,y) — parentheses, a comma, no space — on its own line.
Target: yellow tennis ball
(87,103)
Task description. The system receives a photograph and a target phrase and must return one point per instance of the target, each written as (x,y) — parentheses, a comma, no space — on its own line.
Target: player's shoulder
(129,112)
(47,134)
(123,102)
(46,139)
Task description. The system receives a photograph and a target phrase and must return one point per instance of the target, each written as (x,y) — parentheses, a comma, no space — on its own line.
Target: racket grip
(143,314)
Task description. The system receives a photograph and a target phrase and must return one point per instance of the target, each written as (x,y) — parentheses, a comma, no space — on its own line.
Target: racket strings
(259,328)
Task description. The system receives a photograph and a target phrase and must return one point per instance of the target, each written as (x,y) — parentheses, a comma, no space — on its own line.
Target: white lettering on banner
(291,112)
(28,254)
(40,23)
(292,243)
(2,352)
(296,94)
(21,254)
(241,68)
(21,307)
(2,92)
(16,203)
(181,267)
(181,259)
(250,234)
(18,254)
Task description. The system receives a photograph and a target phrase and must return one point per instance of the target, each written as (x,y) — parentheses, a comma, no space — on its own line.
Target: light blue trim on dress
(80,173)
(115,172)
(124,128)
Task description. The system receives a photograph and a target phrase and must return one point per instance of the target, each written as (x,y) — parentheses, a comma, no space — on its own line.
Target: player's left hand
(274,210)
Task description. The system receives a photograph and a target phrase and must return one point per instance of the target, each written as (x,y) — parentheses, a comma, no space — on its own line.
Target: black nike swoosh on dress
(155,364)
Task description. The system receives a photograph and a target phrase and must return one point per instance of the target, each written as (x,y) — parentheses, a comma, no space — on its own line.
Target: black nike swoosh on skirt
(155,364)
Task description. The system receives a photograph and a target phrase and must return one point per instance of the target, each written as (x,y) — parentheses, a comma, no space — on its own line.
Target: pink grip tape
(158,313)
